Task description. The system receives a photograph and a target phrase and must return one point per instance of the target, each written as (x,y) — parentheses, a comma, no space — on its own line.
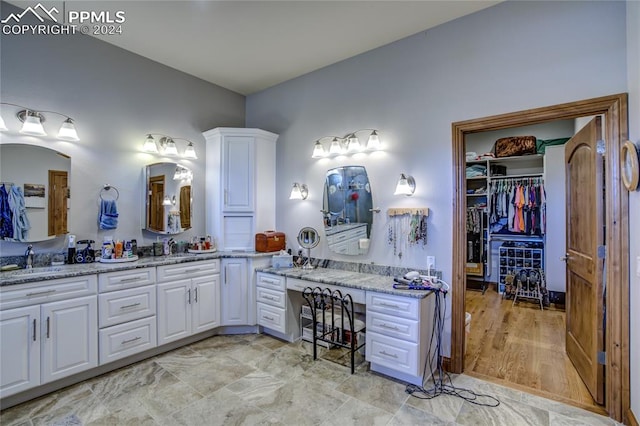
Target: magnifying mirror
(308,238)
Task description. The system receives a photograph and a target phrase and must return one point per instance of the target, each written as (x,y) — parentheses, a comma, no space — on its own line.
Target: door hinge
(601,147)
(602,358)
(602,252)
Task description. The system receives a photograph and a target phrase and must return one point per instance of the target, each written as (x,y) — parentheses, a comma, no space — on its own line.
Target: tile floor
(258,380)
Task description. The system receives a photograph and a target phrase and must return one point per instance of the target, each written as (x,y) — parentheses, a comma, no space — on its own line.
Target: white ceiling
(248,46)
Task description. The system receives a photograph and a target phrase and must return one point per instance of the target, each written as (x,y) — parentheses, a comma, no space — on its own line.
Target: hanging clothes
(517,206)
(6,222)
(20,221)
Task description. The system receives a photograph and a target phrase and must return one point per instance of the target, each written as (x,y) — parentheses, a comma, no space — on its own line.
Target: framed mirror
(36,182)
(168,198)
(347,210)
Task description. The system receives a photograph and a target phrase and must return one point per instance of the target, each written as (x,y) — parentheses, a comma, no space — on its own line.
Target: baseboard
(631,418)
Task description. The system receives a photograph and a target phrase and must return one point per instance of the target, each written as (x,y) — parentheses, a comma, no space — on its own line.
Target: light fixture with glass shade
(150,144)
(349,144)
(167,146)
(406,185)
(190,152)
(299,191)
(32,123)
(166,201)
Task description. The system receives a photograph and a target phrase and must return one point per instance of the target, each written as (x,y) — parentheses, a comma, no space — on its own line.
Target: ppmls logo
(83,21)
(32,10)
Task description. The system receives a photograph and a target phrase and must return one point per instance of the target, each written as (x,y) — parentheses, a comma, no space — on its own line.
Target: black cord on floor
(441,380)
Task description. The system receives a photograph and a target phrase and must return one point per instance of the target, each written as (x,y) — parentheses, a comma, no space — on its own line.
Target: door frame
(614,110)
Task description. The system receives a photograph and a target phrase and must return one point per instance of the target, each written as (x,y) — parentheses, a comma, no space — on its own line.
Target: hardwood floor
(523,347)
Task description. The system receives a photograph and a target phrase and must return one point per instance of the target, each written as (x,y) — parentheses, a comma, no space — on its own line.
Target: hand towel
(108,218)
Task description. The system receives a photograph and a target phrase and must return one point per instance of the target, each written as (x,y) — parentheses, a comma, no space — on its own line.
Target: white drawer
(400,328)
(119,280)
(296,284)
(188,270)
(392,353)
(406,307)
(274,282)
(18,295)
(121,306)
(271,297)
(272,317)
(127,339)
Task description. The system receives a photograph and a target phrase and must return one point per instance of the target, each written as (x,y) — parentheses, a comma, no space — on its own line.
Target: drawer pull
(40,293)
(389,305)
(266,296)
(270,281)
(268,318)
(48,324)
(189,295)
(133,305)
(195,298)
(128,280)
(124,342)
(391,355)
(34,329)
(390,327)
(192,270)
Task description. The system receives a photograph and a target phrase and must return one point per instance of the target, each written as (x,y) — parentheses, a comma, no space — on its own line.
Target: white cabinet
(127,313)
(20,346)
(188,304)
(240,185)
(398,335)
(235,292)
(47,336)
(271,297)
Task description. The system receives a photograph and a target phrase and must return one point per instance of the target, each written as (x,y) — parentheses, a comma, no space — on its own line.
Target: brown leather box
(268,241)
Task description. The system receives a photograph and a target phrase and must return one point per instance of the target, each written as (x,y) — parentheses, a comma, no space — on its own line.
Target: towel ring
(108,188)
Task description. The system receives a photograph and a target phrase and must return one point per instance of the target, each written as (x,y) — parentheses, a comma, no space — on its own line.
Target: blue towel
(108,218)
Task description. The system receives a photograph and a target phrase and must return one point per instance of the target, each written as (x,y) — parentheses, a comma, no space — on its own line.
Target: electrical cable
(442,383)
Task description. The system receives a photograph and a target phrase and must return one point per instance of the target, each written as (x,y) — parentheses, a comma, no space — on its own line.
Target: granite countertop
(22,276)
(359,280)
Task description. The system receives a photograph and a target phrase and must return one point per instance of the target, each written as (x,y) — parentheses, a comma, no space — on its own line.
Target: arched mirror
(35,181)
(167,198)
(347,210)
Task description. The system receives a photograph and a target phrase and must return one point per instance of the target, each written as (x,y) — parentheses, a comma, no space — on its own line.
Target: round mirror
(308,238)
(167,198)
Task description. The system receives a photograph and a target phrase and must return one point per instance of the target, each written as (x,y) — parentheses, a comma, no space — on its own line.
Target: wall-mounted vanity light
(348,144)
(167,146)
(32,123)
(182,173)
(299,191)
(406,185)
(166,201)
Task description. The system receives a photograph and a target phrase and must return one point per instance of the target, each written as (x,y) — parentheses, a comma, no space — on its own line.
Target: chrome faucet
(29,254)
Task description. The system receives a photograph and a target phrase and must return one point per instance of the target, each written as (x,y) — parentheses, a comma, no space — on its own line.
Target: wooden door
(585,234)
(156,208)
(70,338)
(58,190)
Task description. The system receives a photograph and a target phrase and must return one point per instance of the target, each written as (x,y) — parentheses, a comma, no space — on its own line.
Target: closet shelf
(524,176)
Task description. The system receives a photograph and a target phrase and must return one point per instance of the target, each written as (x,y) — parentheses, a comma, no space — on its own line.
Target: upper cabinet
(240,185)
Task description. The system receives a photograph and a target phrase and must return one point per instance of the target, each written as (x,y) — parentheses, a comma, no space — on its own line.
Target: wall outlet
(431,262)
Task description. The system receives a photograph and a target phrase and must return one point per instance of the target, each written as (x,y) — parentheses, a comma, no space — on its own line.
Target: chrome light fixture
(166,201)
(167,146)
(349,144)
(32,123)
(406,185)
(299,191)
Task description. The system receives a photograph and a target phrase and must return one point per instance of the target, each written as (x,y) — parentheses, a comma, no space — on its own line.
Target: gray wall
(115,97)
(513,56)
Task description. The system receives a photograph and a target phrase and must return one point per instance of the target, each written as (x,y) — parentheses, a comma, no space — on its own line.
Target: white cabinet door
(238,171)
(70,340)
(234,292)
(19,349)
(205,303)
(174,315)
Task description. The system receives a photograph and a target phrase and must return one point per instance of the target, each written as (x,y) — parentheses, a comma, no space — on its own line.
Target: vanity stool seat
(334,321)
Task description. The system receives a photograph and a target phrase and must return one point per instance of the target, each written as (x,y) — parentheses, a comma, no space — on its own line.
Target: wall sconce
(349,144)
(406,185)
(32,123)
(167,146)
(182,173)
(166,201)
(299,191)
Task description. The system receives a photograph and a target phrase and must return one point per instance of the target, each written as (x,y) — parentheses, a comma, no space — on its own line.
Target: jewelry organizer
(407,227)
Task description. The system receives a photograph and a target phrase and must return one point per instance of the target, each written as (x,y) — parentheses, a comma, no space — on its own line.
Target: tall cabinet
(240,185)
